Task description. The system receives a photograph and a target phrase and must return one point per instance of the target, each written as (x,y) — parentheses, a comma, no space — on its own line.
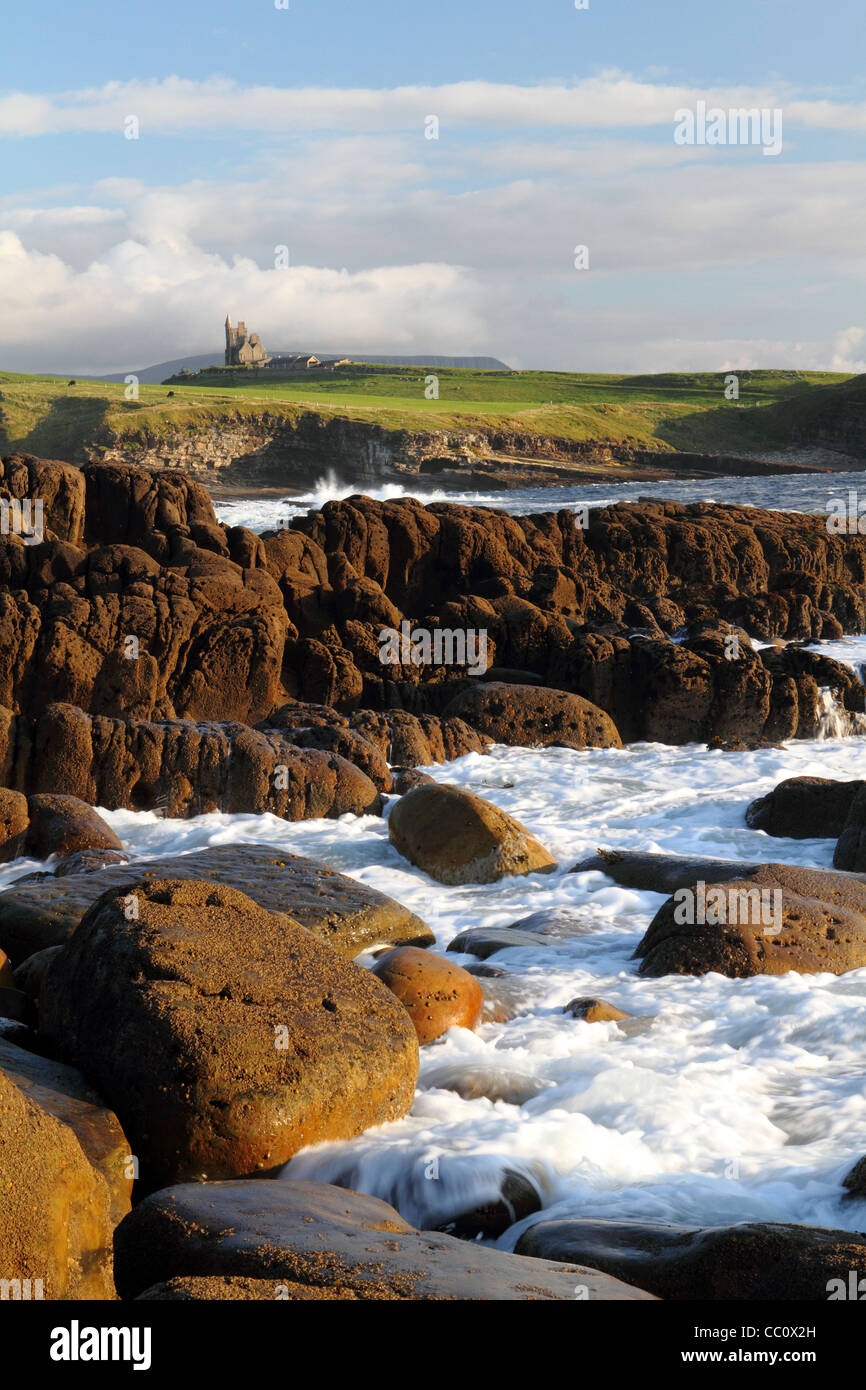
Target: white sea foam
(736,1099)
(810,492)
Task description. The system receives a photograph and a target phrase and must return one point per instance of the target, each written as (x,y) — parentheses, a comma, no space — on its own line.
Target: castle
(247,350)
(243,350)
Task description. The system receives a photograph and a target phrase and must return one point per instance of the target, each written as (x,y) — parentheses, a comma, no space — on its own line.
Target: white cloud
(142,303)
(845,349)
(453,246)
(612,100)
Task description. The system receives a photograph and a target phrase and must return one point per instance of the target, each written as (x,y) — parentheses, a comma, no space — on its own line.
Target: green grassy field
(50,416)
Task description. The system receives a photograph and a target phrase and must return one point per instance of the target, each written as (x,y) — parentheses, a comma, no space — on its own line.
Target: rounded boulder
(436,993)
(225,1037)
(458,837)
(65,824)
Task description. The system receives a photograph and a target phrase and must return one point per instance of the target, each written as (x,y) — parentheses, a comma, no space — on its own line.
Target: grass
(48,416)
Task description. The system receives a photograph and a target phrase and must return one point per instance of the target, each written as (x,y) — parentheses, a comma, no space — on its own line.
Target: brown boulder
(318,1236)
(437,994)
(404,779)
(804,808)
(418,740)
(457,837)
(63,1093)
(349,744)
(595,1011)
(64,824)
(14,819)
(534,716)
(809,920)
(55,1223)
(225,1037)
(183,768)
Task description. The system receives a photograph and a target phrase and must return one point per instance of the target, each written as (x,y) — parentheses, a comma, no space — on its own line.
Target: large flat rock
(350,916)
(752,1261)
(323,1237)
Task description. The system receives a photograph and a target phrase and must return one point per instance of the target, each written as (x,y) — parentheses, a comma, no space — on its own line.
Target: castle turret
(243,349)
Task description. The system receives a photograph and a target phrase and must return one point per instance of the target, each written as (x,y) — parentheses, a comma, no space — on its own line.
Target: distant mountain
(476,364)
(152,376)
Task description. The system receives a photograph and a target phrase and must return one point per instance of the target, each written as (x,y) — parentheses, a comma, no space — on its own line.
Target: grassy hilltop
(55,418)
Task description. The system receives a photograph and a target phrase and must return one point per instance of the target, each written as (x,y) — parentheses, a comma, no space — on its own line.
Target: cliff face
(268,449)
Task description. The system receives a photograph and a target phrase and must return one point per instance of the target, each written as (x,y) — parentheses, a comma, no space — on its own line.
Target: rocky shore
(174,1030)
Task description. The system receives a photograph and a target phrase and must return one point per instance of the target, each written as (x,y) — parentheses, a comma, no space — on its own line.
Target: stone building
(243,349)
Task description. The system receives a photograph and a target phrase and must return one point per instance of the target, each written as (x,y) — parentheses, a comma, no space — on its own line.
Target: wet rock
(183,768)
(562,922)
(231,1288)
(64,825)
(88,861)
(750,1262)
(7,979)
(349,744)
(405,779)
(63,1092)
(777,918)
(850,852)
(486,972)
(17,1006)
(410,740)
(55,1218)
(225,1037)
(855,1181)
(661,873)
(594,1011)
(533,716)
(518,1198)
(804,808)
(483,1081)
(14,820)
(486,941)
(325,1237)
(436,993)
(348,915)
(144,558)
(457,837)
(504,998)
(31,972)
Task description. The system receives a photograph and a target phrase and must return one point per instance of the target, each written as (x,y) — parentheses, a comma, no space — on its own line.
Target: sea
(719,1100)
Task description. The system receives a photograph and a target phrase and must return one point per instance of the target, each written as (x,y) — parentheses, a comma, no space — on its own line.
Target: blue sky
(306,127)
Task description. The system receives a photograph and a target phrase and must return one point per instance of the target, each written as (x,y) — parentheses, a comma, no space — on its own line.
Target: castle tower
(230,342)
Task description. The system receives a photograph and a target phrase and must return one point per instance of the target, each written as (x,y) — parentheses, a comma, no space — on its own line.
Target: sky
(393,177)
